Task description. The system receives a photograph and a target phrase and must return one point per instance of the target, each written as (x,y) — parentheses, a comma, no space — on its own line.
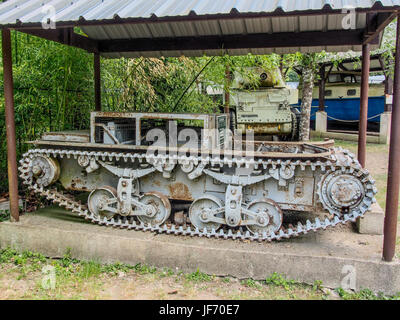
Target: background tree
(307,66)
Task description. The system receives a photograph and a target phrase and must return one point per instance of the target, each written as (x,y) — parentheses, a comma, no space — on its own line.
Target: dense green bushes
(52,92)
(53,88)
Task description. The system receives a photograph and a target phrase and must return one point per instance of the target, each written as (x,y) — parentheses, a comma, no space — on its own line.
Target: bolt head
(36,170)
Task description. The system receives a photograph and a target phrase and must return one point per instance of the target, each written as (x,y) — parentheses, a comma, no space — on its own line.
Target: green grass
(198,277)
(251,283)
(82,279)
(4,216)
(277,279)
(365,294)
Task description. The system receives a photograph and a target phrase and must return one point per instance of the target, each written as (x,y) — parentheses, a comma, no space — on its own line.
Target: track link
(340,160)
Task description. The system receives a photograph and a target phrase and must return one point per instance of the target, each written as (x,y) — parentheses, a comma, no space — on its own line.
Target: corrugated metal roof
(31,11)
(108,19)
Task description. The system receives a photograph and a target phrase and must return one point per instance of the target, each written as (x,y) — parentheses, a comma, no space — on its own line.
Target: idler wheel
(45,170)
(269,217)
(100,200)
(340,191)
(159,211)
(199,213)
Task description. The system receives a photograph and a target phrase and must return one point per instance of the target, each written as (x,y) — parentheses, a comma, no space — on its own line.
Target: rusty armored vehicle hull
(196,187)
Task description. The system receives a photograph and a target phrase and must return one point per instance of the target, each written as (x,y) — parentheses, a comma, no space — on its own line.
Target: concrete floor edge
(107,248)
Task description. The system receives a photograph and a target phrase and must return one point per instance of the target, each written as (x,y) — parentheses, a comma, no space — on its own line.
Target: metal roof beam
(376,23)
(263,40)
(65,36)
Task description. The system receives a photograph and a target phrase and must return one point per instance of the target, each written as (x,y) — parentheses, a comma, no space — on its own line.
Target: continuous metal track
(340,161)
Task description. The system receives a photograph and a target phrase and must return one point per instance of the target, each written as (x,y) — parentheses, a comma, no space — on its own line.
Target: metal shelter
(348,66)
(155,28)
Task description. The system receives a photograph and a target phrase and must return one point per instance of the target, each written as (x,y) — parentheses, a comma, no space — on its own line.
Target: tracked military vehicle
(261,101)
(184,174)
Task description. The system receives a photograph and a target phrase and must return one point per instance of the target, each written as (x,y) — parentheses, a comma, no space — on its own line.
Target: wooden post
(392,193)
(97,81)
(362,130)
(10,125)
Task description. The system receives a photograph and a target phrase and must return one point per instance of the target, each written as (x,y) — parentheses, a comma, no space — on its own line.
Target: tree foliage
(53,86)
(51,90)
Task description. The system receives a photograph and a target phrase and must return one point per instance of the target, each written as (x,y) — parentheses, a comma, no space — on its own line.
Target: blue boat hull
(349,108)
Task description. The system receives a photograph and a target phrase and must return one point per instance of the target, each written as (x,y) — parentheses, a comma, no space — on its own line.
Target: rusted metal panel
(67,136)
(180,191)
(73,177)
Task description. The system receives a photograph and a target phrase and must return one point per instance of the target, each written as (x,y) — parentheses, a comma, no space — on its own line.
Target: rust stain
(180,191)
(157,183)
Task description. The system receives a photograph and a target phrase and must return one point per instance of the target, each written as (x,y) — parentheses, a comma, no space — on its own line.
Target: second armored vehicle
(263,104)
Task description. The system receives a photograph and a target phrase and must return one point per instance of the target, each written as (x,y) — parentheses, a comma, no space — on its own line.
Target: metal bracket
(233,205)
(126,202)
(124,194)
(197,172)
(127,172)
(93,166)
(252,218)
(236,180)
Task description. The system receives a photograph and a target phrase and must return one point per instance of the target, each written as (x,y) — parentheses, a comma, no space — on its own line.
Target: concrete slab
(329,256)
(343,136)
(385,127)
(5,206)
(372,223)
(321,121)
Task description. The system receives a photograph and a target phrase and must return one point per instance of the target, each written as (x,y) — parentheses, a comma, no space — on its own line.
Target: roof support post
(97,81)
(392,195)
(362,130)
(322,88)
(10,125)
